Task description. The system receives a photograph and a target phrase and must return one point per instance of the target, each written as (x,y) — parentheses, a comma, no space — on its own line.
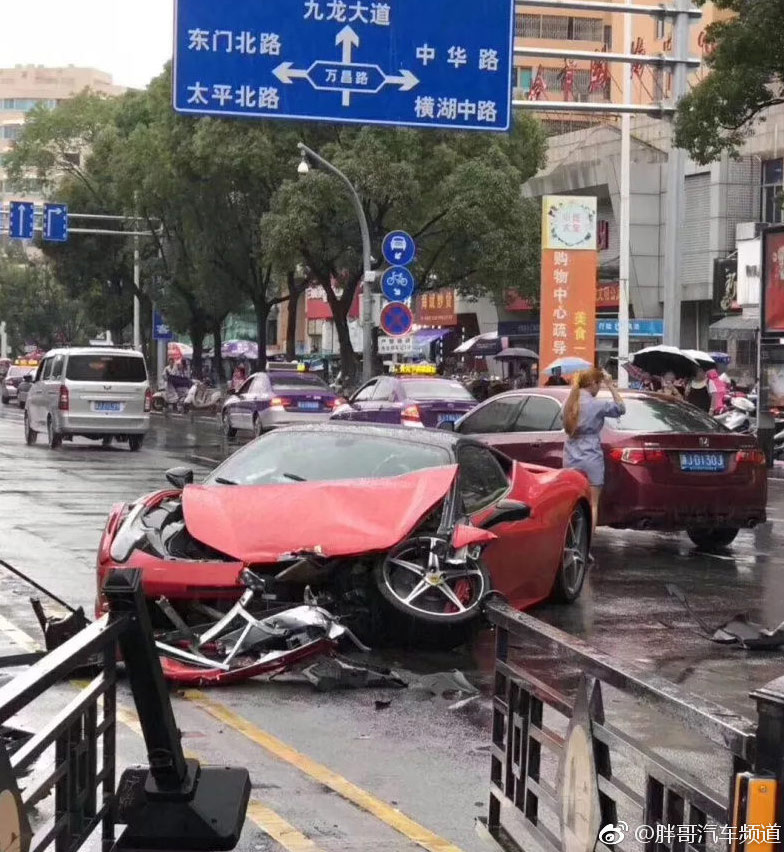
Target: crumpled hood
(259,524)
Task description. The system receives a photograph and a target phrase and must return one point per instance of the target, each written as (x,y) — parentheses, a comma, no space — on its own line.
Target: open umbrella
(240,349)
(180,351)
(567,366)
(706,361)
(658,360)
(482,344)
(517,353)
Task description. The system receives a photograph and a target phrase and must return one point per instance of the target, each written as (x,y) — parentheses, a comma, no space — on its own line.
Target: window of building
(772,191)
(560,27)
(26,104)
(660,28)
(746,354)
(10,131)
(528,26)
(586,29)
(523,78)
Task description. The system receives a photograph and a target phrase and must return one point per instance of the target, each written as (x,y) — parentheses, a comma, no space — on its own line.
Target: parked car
(669,466)
(97,393)
(346,497)
(278,398)
(417,401)
(13,378)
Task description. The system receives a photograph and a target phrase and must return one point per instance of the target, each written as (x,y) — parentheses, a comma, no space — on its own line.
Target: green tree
(745,59)
(458,194)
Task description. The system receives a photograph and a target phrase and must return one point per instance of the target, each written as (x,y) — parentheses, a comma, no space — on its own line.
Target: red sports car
(669,466)
(382,523)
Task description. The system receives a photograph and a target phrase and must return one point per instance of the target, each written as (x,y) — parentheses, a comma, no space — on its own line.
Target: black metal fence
(589,752)
(172,803)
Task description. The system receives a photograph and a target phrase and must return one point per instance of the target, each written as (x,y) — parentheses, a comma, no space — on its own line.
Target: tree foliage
(745,59)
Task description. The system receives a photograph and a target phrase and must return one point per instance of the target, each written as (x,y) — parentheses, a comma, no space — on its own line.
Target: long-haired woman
(583,417)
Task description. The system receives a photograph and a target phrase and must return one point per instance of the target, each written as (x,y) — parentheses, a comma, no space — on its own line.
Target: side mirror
(179,477)
(447,426)
(507,512)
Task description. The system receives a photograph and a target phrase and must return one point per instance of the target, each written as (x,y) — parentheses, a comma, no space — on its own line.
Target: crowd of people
(707,390)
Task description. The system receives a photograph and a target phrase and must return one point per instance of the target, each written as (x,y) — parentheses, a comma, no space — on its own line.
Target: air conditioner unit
(748,230)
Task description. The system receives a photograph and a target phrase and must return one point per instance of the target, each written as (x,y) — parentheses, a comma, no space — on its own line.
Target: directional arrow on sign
(406,81)
(348,39)
(286,74)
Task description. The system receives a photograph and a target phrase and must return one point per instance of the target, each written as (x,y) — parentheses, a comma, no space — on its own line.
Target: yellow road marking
(270,822)
(361,798)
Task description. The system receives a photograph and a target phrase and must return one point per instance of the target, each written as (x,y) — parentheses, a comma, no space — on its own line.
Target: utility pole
(676,168)
(625,214)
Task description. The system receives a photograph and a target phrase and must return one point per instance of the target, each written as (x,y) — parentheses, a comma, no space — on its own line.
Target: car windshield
(296,381)
(286,457)
(436,389)
(106,368)
(15,372)
(659,415)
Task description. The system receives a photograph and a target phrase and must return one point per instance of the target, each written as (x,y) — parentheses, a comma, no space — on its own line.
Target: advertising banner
(773,281)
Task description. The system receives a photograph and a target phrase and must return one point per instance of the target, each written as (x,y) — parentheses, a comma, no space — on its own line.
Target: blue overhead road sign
(21,220)
(55,223)
(160,328)
(425,63)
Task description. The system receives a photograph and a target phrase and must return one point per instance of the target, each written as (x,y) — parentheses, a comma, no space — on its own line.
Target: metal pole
(3,341)
(676,166)
(625,224)
(137,277)
(368,276)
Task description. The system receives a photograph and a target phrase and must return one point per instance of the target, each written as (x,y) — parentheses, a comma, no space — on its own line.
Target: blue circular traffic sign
(396,319)
(399,248)
(397,284)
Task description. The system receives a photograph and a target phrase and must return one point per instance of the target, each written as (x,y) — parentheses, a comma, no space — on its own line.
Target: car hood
(260,524)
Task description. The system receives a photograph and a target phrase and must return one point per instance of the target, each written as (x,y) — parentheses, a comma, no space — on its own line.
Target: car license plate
(703,462)
(308,406)
(107,406)
(449,418)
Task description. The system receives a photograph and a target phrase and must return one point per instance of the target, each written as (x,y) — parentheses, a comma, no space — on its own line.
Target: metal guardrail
(172,803)
(561,772)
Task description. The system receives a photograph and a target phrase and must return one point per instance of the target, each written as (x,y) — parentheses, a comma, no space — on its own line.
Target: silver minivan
(102,394)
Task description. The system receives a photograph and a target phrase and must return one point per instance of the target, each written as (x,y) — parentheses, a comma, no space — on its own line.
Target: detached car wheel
(712,539)
(31,436)
(54,438)
(416,580)
(574,560)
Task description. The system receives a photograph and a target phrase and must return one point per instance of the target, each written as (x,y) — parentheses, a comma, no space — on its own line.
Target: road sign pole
(368,277)
(3,341)
(137,277)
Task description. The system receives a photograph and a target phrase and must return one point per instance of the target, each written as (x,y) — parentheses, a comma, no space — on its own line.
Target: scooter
(171,396)
(203,397)
(740,415)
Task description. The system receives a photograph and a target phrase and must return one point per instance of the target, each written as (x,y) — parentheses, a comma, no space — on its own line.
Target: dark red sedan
(669,465)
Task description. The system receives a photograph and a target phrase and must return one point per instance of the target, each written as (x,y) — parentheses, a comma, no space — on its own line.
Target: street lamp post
(368,277)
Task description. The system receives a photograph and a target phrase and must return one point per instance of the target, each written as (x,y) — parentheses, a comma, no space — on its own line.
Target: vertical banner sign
(569,265)
(773,281)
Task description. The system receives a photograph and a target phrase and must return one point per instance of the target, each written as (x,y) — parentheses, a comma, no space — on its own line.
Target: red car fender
(466,535)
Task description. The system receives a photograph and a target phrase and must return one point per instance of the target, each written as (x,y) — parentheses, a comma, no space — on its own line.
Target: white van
(103,394)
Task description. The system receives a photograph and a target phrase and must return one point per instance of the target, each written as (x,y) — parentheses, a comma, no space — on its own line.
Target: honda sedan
(669,466)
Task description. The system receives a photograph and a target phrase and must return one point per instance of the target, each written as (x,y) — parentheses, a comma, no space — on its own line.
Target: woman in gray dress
(583,417)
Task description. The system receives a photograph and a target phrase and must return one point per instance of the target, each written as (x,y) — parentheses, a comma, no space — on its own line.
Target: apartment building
(26,86)
(545,79)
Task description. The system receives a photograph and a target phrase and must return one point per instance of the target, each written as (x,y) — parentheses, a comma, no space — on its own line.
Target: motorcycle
(202,396)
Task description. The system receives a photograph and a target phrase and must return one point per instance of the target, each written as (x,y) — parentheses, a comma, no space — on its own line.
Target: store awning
(742,328)
(429,335)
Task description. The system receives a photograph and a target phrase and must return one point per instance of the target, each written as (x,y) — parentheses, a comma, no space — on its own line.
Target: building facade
(26,86)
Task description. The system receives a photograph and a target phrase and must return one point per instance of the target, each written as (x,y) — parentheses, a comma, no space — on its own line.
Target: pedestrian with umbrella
(584,417)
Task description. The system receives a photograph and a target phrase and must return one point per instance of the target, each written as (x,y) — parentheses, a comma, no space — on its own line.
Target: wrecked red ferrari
(398,533)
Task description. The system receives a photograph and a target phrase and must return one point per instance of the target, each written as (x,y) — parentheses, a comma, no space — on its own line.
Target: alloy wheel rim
(575,554)
(426,587)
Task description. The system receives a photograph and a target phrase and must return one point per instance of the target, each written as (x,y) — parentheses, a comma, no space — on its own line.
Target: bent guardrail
(592,753)
(172,803)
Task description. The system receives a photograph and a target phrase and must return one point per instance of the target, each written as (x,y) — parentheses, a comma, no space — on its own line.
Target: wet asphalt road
(428,762)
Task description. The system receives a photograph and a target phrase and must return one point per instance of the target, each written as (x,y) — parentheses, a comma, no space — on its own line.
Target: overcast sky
(131,39)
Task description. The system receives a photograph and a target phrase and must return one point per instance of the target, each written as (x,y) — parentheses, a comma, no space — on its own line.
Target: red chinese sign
(773,280)
(436,308)
(608,295)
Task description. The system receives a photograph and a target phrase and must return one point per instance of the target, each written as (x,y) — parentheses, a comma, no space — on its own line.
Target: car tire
(574,557)
(6,400)
(31,436)
(106,441)
(54,438)
(258,428)
(135,443)
(396,585)
(228,430)
(716,538)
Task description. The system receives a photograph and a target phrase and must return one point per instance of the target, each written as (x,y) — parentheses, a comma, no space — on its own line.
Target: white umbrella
(705,360)
(482,340)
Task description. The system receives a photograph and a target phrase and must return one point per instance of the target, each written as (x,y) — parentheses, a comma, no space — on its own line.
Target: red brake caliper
(463,591)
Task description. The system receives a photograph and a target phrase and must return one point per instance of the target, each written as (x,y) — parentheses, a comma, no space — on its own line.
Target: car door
(361,402)
(384,407)
(238,406)
(491,419)
(36,399)
(520,560)
(53,382)
(537,435)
